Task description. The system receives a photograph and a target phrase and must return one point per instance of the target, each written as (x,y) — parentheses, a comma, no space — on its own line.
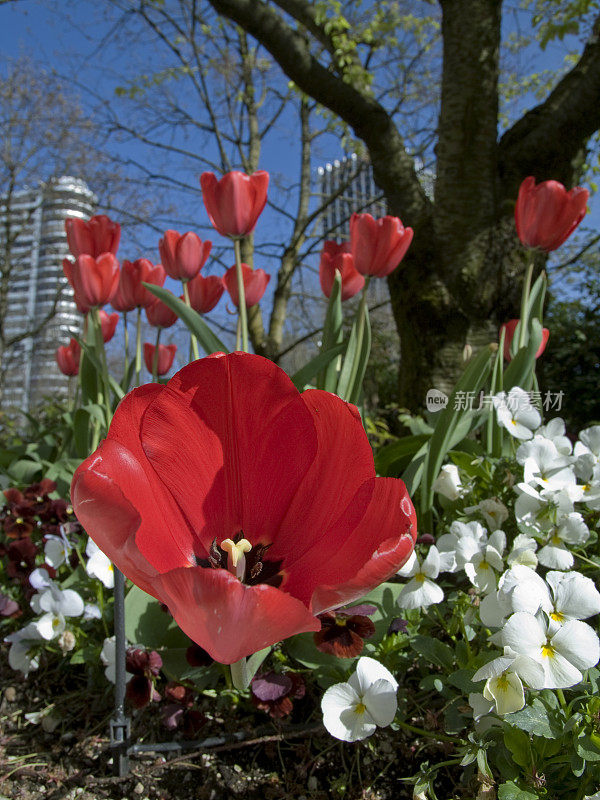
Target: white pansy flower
(519,589)
(40,579)
(523,551)
(494,512)
(515,412)
(108,656)
(353,710)
(504,680)
(56,551)
(448,482)
(20,656)
(571,530)
(57,604)
(556,431)
(99,565)
(562,654)
(447,543)
(92,611)
(481,561)
(573,597)
(589,444)
(421,591)
(544,466)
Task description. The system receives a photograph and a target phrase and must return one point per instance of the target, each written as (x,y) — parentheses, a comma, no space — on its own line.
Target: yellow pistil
(236,560)
(502,682)
(360,708)
(420,577)
(484,565)
(548,651)
(557,616)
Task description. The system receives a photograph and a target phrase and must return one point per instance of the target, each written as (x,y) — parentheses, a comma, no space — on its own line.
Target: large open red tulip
(245,506)
(93,237)
(546,214)
(235,202)
(338,257)
(378,245)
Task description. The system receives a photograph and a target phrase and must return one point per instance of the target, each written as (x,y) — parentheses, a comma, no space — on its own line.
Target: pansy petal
(578,642)
(381,702)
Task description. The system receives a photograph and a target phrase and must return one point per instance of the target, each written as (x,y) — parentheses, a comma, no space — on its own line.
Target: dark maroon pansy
(275,692)
(342,635)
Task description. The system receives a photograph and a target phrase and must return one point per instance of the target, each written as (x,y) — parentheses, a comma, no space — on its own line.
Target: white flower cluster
(54,605)
(538,622)
(353,710)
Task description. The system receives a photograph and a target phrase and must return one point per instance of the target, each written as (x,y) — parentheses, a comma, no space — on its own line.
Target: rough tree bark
(462,275)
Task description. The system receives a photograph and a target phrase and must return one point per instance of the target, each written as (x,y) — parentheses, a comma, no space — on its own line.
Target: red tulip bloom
(255,284)
(67,358)
(166,354)
(245,506)
(68,265)
(234,203)
(108,324)
(94,280)
(546,214)
(130,293)
(378,245)
(510,327)
(338,257)
(160,315)
(94,237)
(205,293)
(183,256)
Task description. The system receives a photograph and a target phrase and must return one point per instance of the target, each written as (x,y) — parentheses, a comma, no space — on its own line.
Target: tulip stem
(126,340)
(524,300)
(360,335)
(238,334)
(138,348)
(243,317)
(155,356)
(239,675)
(193,340)
(101,352)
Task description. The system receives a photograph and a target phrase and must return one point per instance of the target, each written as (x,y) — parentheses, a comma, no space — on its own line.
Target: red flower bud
(183,256)
(378,245)
(255,284)
(108,323)
(510,328)
(160,315)
(166,354)
(94,280)
(130,293)
(546,214)
(205,293)
(94,237)
(67,358)
(235,202)
(338,257)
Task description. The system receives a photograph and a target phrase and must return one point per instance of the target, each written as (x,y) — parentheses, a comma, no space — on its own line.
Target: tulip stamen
(236,561)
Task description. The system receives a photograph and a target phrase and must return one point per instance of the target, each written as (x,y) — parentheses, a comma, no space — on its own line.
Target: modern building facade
(33,221)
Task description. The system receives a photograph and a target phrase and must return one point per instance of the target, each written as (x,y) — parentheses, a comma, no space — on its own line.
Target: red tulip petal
(342,464)
(357,555)
(165,538)
(227,618)
(237,425)
(111,521)
(189,252)
(391,519)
